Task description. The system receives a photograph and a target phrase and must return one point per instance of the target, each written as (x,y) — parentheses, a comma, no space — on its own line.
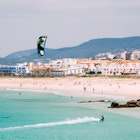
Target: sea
(30,115)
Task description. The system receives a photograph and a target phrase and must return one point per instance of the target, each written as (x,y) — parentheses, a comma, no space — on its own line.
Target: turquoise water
(45,116)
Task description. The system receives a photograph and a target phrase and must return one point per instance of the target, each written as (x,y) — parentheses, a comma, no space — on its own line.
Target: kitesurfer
(102,118)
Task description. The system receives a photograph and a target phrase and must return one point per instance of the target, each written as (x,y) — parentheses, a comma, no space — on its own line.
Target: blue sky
(66,22)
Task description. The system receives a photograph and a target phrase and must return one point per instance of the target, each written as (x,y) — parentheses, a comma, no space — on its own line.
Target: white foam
(67,122)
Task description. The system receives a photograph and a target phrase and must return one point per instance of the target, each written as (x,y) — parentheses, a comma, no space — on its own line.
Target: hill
(84,50)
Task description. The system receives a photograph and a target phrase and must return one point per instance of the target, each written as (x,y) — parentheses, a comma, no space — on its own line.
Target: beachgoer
(84,89)
(93,90)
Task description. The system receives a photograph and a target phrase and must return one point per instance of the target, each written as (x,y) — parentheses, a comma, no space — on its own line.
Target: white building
(68,72)
(121,68)
(63,63)
(135,55)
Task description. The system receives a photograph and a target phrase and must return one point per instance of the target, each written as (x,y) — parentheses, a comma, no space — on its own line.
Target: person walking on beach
(84,89)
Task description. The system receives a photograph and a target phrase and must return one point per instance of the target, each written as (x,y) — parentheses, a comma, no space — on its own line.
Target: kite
(41,43)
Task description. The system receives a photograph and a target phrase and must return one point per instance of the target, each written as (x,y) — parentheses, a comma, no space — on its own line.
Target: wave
(67,122)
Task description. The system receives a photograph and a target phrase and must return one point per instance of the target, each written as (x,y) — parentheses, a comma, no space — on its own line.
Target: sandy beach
(73,86)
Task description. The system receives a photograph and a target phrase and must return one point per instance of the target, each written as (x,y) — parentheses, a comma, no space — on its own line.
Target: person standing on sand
(93,90)
(84,89)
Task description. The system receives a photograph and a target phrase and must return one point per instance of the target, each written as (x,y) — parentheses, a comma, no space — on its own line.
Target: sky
(67,23)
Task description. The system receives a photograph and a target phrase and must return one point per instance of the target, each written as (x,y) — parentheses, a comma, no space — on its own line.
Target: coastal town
(125,63)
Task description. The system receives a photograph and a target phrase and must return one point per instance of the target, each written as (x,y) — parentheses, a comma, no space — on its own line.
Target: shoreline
(104,89)
(77,86)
